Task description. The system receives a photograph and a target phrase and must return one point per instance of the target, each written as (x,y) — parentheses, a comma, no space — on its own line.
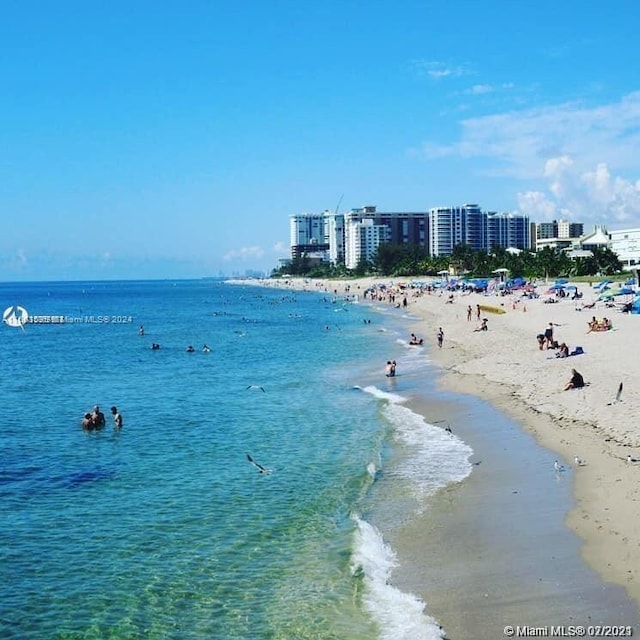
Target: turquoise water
(165,529)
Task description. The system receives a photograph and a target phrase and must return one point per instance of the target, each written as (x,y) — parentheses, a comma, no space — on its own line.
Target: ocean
(166,529)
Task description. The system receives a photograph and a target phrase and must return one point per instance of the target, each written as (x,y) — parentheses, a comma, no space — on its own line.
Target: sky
(174,139)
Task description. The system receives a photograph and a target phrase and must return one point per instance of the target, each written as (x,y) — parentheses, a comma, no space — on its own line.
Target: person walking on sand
(440,337)
(469,313)
(477,312)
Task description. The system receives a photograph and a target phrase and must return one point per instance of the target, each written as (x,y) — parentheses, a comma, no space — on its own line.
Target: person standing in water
(440,337)
(117,418)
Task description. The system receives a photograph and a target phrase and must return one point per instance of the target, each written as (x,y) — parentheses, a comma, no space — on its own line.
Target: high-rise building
(507,230)
(362,239)
(356,235)
(450,226)
(559,234)
(307,234)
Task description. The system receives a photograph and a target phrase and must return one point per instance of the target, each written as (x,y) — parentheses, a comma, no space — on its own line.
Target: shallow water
(165,529)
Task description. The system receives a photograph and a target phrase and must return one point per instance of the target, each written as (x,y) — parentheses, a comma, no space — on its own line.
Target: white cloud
(592,196)
(20,259)
(480,89)
(438,70)
(537,206)
(280,247)
(245,253)
(520,142)
(575,155)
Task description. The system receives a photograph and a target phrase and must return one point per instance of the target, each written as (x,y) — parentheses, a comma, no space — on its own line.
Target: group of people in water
(95,420)
(205,349)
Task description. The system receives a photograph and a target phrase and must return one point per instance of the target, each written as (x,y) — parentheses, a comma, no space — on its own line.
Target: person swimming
(206,349)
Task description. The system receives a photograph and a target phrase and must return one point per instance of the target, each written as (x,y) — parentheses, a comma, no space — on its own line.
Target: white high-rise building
(307,236)
(362,239)
(306,229)
(334,236)
(450,226)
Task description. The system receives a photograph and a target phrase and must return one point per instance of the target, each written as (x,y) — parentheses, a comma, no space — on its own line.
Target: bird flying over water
(256,386)
(259,467)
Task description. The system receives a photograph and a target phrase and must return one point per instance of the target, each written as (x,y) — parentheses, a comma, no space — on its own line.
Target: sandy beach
(517,542)
(505,366)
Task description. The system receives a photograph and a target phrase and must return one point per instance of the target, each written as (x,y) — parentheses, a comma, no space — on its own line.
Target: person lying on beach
(576,381)
(483,326)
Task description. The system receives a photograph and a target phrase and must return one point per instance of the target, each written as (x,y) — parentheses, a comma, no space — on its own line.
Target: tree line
(407,261)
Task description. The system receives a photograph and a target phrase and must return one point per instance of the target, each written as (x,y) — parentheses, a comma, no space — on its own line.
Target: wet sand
(494,550)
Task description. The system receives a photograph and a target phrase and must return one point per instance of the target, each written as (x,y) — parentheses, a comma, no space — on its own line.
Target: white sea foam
(400,616)
(433,457)
(384,395)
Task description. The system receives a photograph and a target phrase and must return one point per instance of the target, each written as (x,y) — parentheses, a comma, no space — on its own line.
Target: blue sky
(165,139)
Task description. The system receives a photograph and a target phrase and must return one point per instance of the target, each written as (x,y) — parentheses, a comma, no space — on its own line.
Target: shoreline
(505,367)
(580,422)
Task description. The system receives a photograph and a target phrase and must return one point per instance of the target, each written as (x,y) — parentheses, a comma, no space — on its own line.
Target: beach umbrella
(607,295)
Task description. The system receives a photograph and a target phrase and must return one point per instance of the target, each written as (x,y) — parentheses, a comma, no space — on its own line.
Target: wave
(432,457)
(399,615)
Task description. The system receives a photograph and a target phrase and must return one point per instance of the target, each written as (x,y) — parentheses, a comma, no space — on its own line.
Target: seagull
(259,467)
(631,460)
(557,466)
(580,462)
(617,398)
(256,386)
(448,429)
